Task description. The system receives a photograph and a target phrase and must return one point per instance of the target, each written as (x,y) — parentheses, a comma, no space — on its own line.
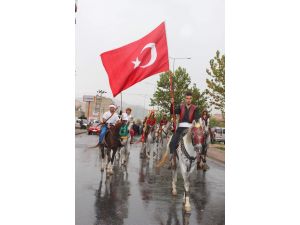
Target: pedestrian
(187,113)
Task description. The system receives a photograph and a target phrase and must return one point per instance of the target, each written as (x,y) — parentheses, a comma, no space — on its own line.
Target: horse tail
(163,159)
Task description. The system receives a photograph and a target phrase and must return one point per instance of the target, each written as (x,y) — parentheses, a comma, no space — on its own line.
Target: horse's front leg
(111,162)
(205,166)
(174,180)
(108,155)
(187,205)
(102,153)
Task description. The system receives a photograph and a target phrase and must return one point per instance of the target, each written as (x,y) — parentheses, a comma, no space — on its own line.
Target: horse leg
(102,157)
(205,166)
(108,155)
(112,160)
(187,205)
(127,152)
(174,180)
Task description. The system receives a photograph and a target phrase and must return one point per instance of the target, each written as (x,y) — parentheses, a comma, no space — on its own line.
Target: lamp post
(100,93)
(173,58)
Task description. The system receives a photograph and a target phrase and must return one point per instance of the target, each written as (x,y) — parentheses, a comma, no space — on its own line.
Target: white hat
(124,116)
(112,106)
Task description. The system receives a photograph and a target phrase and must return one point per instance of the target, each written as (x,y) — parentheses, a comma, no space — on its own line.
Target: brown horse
(111,142)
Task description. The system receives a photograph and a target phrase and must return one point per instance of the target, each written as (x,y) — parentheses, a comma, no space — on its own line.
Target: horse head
(197,135)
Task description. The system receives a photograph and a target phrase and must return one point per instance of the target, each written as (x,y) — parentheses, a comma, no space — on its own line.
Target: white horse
(161,138)
(186,151)
(148,141)
(124,150)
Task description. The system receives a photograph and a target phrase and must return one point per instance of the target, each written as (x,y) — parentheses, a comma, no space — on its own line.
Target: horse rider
(109,119)
(150,122)
(129,116)
(204,121)
(124,128)
(163,121)
(187,113)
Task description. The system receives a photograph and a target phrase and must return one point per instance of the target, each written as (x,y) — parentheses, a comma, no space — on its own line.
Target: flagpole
(172,98)
(121,102)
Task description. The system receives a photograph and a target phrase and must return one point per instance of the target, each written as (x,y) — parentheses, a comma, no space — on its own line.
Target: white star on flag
(136,63)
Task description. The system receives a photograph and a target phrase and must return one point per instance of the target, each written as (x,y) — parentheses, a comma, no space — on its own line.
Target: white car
(219,134)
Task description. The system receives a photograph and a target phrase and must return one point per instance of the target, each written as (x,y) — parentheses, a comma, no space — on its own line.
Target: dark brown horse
(111,142)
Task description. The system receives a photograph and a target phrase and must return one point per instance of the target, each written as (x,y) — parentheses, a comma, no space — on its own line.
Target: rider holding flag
(187,113)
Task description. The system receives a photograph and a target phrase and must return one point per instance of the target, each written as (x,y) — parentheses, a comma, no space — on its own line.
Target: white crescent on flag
(137,62)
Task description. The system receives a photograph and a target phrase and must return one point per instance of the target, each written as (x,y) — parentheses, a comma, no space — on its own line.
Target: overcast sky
(195,28)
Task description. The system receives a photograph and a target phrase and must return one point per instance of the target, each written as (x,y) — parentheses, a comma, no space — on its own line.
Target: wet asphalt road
(141,195)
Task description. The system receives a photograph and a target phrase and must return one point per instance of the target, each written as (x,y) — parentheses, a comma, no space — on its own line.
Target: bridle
(191,159)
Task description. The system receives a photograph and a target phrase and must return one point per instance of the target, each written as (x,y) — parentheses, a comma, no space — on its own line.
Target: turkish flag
(136,61)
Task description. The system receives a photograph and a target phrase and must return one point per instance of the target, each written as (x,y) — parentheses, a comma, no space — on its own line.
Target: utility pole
(100,93)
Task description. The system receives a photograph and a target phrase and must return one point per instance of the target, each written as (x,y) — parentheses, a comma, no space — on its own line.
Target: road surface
(141,194)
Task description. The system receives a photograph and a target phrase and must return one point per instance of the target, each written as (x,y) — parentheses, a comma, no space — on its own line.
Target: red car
(94,129)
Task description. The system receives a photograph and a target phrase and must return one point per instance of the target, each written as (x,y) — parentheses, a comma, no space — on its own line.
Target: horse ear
(193,123)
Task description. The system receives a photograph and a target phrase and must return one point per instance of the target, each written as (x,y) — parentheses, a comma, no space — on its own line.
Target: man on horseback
(150,122)
(204,121)
(187,113)
(124,128)
(129,117)
(163,121)
(109,119)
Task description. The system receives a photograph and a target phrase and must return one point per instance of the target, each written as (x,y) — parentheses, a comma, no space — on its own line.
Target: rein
(187,155)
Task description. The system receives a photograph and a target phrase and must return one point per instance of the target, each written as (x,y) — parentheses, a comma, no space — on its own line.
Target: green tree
(216,82)
(181,84)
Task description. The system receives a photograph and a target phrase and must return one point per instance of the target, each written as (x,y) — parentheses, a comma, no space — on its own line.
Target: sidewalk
(216,154)
(80,131)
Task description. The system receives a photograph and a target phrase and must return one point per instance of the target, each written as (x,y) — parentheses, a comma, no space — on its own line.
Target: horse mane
(116,128)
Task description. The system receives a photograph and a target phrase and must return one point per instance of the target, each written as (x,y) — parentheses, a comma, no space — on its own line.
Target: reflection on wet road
(140,194)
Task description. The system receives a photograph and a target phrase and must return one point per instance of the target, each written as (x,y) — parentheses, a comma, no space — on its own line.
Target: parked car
(84,124)
(77,123)
(218,134)
(94,128)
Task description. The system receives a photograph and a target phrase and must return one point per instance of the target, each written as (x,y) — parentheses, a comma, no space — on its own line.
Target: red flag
(136,61)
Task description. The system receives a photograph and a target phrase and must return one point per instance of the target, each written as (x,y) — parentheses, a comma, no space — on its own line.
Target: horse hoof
(102,169)
(205,167)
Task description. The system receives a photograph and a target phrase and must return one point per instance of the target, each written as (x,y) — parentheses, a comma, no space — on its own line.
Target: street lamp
(177,58)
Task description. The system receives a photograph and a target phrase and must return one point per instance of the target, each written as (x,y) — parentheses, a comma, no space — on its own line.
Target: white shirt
(112,119)
(130,117)
(202,122)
